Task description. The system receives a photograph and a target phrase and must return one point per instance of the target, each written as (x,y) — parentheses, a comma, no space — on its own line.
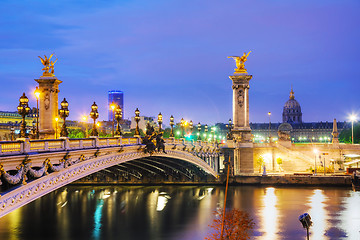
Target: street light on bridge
(64,113)
(112,107)
(172,126)
(182,125)
(37,95)
(23,110)
(206,131)
(94,115)
(118,116)
(229,126)
(191,126)
(199,131)
(137,119)
(352,119)
(160,120)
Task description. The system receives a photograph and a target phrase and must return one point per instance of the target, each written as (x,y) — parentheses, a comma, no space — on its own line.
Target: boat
(355,179)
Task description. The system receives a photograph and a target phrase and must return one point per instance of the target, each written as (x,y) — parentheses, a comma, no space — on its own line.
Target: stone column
(243,146)
(48,105)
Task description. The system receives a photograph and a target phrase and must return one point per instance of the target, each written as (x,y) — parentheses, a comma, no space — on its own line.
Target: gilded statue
(48,66)
(240,62)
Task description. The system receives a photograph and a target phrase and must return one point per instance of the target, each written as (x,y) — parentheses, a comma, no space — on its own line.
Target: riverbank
(273,180)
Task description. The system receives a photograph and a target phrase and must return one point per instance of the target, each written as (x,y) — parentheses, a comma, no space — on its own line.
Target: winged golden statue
(240,62)
(48,66)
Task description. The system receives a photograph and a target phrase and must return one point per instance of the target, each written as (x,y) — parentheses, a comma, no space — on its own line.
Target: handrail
(25,145)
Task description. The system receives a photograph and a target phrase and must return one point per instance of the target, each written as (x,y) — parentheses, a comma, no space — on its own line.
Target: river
(182,213)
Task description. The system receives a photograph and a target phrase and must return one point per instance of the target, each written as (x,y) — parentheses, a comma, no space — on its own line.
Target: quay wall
(301,180)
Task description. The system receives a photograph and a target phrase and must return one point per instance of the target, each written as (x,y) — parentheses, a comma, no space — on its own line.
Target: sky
(170,56)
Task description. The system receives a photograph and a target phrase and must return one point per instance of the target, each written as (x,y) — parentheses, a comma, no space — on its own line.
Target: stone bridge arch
(82,163)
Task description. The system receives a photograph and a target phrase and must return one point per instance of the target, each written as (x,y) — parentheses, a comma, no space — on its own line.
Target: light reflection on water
(178,213)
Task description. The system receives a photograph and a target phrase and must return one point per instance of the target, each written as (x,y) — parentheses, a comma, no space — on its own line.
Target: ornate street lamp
(37,95)
(172,126)
(206,131)
(137,119)
(199,131)
(23,110)
(118,116)
(94,115)
(113,106)
(229,126)
(160,120)
(182,125)
(64,113)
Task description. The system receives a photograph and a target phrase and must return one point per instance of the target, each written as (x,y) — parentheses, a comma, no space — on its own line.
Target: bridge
(30,169)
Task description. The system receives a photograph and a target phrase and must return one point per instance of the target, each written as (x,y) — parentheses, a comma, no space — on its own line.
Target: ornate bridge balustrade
(30,169)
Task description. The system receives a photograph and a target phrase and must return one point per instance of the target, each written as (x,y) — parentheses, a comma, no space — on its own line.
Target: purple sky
(171,56)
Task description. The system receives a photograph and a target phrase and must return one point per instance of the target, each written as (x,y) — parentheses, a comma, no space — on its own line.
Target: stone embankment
(292,179)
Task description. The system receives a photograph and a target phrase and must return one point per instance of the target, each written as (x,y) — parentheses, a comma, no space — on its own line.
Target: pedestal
(243,146)
(48,106)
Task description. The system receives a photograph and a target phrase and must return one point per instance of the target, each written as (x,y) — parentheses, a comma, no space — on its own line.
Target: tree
(345,135)
(237,225)
(260,162)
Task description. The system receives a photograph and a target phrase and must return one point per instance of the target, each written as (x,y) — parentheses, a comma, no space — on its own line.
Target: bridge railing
(26,145)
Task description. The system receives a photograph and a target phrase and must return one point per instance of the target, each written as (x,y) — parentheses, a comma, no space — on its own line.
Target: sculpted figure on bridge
(153,141)
(48,66)
(240,62)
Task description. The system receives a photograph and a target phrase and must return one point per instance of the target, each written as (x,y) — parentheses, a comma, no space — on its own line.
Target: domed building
(293,128)
(292,110)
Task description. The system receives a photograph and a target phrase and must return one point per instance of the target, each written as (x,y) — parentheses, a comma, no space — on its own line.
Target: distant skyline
(170,56)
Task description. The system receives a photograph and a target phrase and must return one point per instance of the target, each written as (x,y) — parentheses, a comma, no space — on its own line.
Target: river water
(182,213)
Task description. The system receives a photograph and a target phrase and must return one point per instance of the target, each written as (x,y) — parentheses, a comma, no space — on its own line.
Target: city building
(10,123)
(143,122)
(116,97)
(292,122)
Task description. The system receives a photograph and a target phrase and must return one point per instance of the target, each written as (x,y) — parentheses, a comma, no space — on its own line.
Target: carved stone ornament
(47,101)
(240,97)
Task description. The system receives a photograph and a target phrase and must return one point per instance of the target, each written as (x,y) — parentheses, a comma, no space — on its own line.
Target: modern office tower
(116,97)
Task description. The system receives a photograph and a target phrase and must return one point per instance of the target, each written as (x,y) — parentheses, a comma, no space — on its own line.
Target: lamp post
(206,131)
(229,126)
(269,113)
(113,106)
(23,110)
(56,126)
(118,116)
(352,119)
(172,126)
(182,125)
(64,113)
(94,115)
(199,131)
(37,95)
(137,119)
(191,126)
(160,120)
